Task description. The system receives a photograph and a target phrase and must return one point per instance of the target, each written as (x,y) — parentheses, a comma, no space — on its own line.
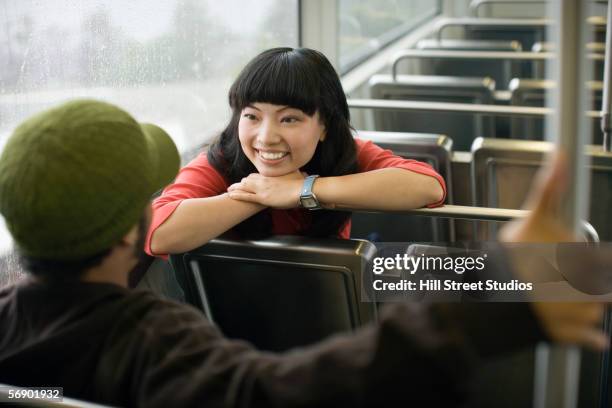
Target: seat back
(280,292)
(595,54)
(526,35)
(524,30)
(526,92)
(435,150)
(503,170)
(460,127)
(500,71)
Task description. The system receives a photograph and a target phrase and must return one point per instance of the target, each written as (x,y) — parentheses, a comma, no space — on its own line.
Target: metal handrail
(484,22)
(600,21)
(465,212)
(475,4)
(478,55)
(590,233)
(426,106)
(468,213)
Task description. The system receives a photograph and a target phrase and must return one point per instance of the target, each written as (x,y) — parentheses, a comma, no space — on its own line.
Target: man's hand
(544,201)
(281,192)
(573,323)
(569,322)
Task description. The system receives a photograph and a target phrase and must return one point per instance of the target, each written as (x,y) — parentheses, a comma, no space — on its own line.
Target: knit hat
(76,178)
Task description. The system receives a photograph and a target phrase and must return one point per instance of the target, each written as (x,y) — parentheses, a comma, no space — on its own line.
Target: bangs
(280,77)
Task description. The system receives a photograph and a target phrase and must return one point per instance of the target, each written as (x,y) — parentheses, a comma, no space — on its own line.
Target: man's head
(75,179)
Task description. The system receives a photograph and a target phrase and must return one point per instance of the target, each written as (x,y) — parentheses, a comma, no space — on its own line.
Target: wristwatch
(307,198)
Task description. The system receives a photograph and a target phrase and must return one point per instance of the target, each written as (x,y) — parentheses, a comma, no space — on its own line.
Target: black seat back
(280,292)
(526,36)
(462,128)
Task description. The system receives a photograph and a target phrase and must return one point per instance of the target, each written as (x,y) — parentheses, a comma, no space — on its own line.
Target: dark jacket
(111,345)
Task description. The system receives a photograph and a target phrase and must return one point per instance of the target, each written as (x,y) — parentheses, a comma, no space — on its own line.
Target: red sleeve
(197,179)
(371,157)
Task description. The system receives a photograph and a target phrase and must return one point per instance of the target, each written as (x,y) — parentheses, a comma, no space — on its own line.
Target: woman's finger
(242,195)
(244,186)
(252,177)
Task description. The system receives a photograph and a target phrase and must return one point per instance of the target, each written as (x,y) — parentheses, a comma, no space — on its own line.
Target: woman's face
(278,139)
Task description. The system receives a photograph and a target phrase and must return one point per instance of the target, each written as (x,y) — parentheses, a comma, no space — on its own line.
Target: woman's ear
(322,127)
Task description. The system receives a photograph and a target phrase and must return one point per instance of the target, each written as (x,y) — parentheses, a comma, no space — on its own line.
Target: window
(169,62)
(365,26)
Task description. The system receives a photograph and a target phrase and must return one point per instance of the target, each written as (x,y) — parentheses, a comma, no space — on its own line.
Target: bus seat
(503,170)
(525,31)
(597,26)
(526,92)
(526,36)
(504,9)
(529,92)
(593,50)
(461,128)
(500,71)
(435,150)
(280,292)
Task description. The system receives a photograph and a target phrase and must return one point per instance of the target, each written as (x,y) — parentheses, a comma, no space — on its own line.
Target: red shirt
(199,179)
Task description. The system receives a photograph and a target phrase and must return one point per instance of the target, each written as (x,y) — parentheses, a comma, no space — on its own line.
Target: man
(74,188)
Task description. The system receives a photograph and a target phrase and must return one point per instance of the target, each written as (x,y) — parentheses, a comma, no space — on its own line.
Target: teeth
(272,155)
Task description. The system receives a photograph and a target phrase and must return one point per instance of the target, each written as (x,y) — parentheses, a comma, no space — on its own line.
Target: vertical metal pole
(607,88)
(557,370)
(607,147)
(569,126)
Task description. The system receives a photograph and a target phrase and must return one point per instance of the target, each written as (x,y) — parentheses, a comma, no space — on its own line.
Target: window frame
(319,29)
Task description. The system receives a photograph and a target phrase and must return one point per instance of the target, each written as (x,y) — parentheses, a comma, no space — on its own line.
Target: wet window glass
(170,62)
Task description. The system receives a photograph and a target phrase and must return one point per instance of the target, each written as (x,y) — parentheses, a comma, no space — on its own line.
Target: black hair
(304,79)
(54,271)
(64,271)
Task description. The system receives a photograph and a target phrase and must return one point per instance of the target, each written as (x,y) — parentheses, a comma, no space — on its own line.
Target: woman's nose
(268,133)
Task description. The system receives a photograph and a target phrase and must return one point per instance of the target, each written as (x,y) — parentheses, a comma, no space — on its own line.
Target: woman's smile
(271,157)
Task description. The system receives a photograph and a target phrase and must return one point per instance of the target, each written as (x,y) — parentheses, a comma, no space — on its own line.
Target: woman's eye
(249,116)
(290,119)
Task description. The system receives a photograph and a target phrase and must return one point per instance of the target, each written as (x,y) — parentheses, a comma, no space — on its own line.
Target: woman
(288,148)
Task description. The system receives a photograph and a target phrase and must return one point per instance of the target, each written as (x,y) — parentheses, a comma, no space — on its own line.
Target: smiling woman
(289,144)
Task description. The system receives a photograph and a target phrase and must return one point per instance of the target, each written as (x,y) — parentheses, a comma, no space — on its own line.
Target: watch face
(309,202)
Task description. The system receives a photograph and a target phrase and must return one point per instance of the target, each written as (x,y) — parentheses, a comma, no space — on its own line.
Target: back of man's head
(76,178)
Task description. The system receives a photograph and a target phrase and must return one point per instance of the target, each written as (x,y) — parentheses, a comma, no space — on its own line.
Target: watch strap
(307,186)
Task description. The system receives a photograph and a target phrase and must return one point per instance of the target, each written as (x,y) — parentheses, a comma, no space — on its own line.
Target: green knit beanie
(76,178)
